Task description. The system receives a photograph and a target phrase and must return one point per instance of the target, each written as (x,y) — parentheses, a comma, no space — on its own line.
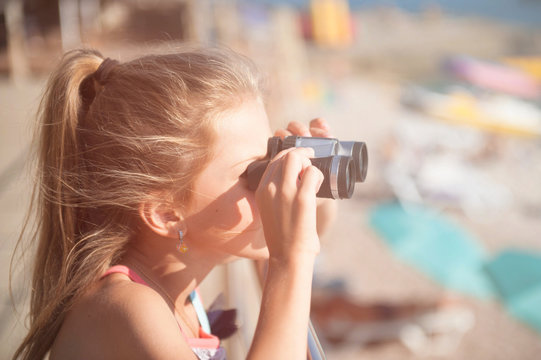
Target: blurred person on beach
(140,194)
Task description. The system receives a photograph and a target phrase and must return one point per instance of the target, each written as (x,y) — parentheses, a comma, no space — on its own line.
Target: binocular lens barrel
(338,172)
(327,146)
(339,176)
(357,150)
(343,163)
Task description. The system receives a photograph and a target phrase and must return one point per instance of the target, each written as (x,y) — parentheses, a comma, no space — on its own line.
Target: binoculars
(343,163)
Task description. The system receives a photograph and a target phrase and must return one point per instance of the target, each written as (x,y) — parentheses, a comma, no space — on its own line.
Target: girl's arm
(291,216)
(282,327)
(287,203)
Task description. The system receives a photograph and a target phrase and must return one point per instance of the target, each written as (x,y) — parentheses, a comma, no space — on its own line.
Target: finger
(274,171)
(294,164)
(318,132)
(283,153)
(320,128)
(320,123)
(282,133)
(297,128)
(274,166)
(310,183)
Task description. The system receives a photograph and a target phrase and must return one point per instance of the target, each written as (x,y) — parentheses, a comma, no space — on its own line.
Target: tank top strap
(206,339)
(195,298)
(123,269)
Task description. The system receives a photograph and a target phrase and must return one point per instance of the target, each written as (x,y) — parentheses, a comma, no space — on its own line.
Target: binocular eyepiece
(343,163)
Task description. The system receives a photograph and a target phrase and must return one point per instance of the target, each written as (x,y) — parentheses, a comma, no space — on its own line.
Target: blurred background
(438,254)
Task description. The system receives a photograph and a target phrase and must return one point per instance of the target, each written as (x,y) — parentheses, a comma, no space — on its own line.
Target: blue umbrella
(430,242)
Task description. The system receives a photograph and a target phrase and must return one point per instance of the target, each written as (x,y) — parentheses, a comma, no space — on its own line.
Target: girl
(140,195)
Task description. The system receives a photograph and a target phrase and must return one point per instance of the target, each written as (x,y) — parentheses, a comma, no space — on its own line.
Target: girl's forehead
(246,122)
(242,132)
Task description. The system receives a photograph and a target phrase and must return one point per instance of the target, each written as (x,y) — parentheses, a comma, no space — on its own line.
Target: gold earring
(181,246)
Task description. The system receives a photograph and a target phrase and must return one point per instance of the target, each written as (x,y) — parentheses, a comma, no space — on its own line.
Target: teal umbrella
(451,256)
(435,245)
(516,275)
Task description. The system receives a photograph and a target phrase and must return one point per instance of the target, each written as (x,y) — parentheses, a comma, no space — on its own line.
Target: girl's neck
(172,274)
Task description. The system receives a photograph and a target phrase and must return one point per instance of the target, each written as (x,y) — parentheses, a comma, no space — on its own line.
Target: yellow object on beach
(331,22)
(528,64)
(500,114)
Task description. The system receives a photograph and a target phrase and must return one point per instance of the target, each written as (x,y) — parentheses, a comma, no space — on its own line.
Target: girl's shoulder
(118,318)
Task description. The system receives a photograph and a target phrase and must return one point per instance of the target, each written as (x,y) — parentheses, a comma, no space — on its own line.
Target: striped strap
(200,310)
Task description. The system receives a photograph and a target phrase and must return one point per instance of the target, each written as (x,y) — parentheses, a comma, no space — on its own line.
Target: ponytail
(64,104)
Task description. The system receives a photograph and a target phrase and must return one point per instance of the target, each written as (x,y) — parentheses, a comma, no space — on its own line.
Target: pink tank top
(205,347)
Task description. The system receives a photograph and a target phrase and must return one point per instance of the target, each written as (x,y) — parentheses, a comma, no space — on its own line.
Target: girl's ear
(161,218)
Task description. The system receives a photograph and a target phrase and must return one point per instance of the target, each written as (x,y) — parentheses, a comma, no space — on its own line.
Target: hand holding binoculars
(343,163)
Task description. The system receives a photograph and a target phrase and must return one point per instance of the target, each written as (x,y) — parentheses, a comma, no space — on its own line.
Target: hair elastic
(102,73)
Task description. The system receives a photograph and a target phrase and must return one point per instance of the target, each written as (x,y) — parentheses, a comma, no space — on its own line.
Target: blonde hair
(111,136)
